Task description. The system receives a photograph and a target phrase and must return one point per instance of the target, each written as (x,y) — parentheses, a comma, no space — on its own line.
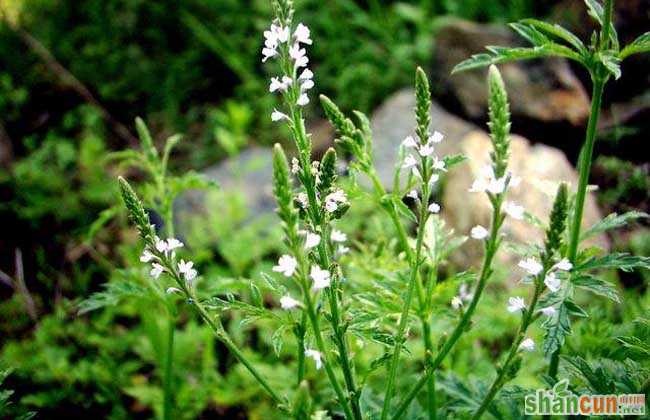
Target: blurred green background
(75,74)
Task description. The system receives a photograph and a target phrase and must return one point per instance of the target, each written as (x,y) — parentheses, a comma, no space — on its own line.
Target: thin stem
(491,248)
(301,348)
(431,382)
(526,321)
(168,370)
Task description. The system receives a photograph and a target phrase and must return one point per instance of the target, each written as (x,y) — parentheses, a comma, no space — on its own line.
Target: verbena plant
(319,302)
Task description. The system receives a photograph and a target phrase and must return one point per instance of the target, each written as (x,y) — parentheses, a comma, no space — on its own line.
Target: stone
(542,90)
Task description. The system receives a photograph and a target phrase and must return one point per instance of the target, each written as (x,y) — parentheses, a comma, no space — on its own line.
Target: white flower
(464,293)
(312,240)
(338,196)
(548,311)
(298,55)
(343,249)
(277,116)
(161,245)
(146,256)
(320,277)
(426,150)
(295,166)
(479,232)
(303,99)
(302,200)
(173,243)
(331,206)
(306,85)
(479,185)
(456,302)
(156,270)
(563,265)
(314,354)
(434,208)
(268,53)
(287,302)
(185,267)
(409,142)
(189,276)
(436,137)
(409,161)
(412,194)
(286,265)
(497,186)
(552,282)
(302,34)
(516,303)
(282,33)
(531,266)
(438,164)
(306,75)
(514,210)
(434,178)
(527,345)
(338,236)
(276,85)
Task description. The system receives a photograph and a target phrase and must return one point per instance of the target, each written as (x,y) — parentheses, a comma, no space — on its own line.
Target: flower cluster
(163,259)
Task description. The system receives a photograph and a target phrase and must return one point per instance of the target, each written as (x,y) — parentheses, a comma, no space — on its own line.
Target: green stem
(431,382)
(168,370)
(491,248)
(514,348)
(301,348)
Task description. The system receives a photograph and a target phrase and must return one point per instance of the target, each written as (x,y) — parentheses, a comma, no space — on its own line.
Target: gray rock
(544,90)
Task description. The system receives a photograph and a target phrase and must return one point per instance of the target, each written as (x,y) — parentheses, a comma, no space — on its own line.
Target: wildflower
(303,99)
(527,345)
(146,256)
(342,249)
(295,166)
(438,164)
(320,277)
(161,245)
(497,186)
(426,150)
(306,75)
(479,232)
(548,311)
(412,194)
(302,34)
(314,354)
(277,116)
(409,142)
(436,137)
(456,302)
(409,162)
(302,200)
(312,240)
(286,265)
(156,270)
(515,304)
(268,53)
(277,85)
(298,55)
(306,85)
(552,282)
(434,178)
(287,302)
(479,185)
(563,265)
(514,210)
(531,266)
(338,236)
(184,267)
(434,208)
(464,294)
(333,199)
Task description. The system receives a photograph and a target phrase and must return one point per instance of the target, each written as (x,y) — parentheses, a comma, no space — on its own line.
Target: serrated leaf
(622,261)
(557,327)
(611,62)
(557,31)
(454,160)
(403,208)
(639,45)
(114,292)
(597,286)
(596,11)
(612,221)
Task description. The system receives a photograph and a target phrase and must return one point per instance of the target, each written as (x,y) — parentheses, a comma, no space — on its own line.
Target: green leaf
(611,62)
(190,180)
(453,160)
(114,293)
(639,45)
(620,260)
(597,286)
(557,328)
(402,208)
(558,32)
(612,221)
(596,11)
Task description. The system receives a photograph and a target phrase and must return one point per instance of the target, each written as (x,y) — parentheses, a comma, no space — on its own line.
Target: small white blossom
(295,166)
(342,249)
(173,243)
(303,99)
(531,266)
(527,345)
(156,270)
(286,265)
(331,206)
(426,150)
(479,185)
(434,208)
(514,210)
(438,164)
(434,178)
(287,302)
(412,194)
(146,256)
(563,265)
(436,137)
(464,294)
(306,85)
(312,240)
(315,354)
(302,199)
(161,245)
(306,75)
(298,55)
(268,53)
(552,282)
(277,85)
(548,311)
(478,232)
(338,236)
(515,304)
(184,267)
(320,277)
(456,302)
(302,34)
(337,196)
(497,186)
(409,162)
(409,142)
(277,116)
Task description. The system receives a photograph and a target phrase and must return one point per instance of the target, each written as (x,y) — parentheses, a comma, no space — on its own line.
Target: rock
(544,90)
(395,119)
(540,167)
(249,174)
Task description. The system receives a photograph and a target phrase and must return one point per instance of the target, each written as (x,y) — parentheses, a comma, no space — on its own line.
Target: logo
(561,401)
